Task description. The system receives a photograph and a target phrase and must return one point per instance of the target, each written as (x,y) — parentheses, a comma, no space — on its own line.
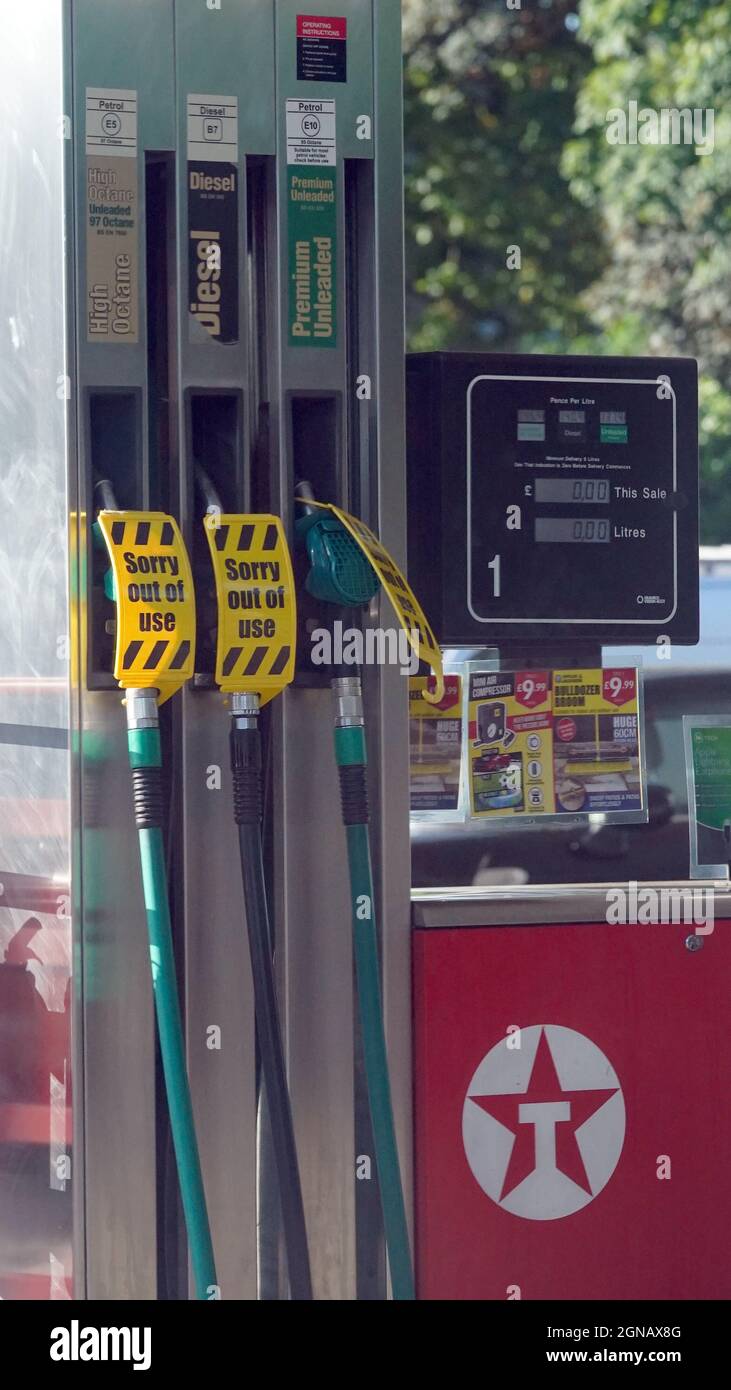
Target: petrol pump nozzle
(104,496)
(208,491)
(254,663)
(155,632)
(341,574)
(339,571)
(305,496)
(104,501)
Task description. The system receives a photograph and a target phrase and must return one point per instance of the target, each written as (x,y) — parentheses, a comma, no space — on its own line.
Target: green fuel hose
(350,755)
(143,738)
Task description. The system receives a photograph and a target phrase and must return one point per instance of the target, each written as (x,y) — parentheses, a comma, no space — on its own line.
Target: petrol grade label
(112,216)
(310,126)
(213,219)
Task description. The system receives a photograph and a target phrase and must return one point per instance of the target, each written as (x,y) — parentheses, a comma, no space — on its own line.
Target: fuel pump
(223,167)
(254,662)
(155,631)
(567,495)
(343,558)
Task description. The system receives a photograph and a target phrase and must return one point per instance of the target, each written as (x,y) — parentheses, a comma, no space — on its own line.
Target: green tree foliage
(624,248)
(489,104)
(665,209)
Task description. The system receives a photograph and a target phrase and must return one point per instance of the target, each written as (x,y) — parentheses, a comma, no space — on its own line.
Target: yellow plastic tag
(406,606)
(77,592)
(155,601)
(257,612)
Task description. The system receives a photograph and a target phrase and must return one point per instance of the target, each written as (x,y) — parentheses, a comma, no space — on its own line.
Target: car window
(668,768)
(714,647)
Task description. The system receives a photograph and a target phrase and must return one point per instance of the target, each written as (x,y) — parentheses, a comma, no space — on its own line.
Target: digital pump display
(566,529)
(554,449)
(567,490)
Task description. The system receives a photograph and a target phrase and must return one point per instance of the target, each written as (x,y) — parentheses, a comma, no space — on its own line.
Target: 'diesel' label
(213,273)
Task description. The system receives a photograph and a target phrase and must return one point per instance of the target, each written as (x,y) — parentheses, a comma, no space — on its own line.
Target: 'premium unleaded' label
(312,222)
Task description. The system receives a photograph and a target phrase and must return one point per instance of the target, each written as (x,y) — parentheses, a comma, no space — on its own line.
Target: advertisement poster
(596,740)
(566,742)
(708,766)
(510,743)
(435,745)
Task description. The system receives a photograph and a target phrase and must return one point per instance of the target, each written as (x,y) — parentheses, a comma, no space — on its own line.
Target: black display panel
(554,498)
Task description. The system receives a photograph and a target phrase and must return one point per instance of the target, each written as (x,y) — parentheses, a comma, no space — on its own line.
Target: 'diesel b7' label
(213,215)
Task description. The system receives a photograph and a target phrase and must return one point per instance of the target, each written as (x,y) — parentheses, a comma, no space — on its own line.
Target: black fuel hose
(247,782)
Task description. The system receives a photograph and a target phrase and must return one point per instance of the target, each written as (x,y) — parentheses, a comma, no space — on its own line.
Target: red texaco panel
(573,1121)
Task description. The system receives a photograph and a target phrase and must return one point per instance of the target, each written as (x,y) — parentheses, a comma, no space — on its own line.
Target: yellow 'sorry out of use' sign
(155,647)
(257,614)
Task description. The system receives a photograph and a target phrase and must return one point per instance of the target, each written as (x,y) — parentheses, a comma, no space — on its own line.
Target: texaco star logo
(543,1123)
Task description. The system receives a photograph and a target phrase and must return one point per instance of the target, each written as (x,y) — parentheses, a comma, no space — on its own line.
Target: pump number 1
(494,565)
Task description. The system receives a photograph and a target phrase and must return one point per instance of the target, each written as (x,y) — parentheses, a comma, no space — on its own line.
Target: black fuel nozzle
(207,489)
(104,501)
(104,497)
(306,497)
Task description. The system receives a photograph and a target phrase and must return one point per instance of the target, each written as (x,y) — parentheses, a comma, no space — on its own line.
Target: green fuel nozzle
(341,574)
(339,571)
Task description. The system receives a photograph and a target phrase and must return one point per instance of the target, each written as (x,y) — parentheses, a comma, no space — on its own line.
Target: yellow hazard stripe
(142,534)
(255,663)
(240,537)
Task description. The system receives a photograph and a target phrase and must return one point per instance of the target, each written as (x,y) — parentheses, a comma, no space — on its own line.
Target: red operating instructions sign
(321,48)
